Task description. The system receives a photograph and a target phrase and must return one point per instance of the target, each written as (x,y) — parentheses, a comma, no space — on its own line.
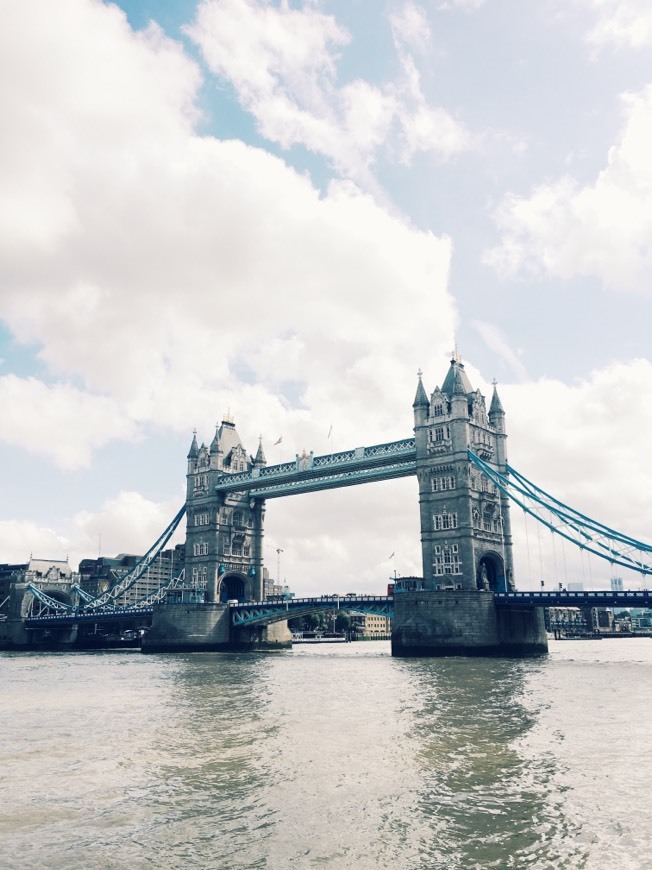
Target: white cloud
(461,4)
(21,539)
(128,523)
(601,230)
(496,341)
(59,421)
(166,276)
(341,540)
(621,23)
(283,64)
(410,26)
(161,265)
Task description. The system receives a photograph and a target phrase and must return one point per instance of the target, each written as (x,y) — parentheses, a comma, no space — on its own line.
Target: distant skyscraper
(617,584)
(576,586)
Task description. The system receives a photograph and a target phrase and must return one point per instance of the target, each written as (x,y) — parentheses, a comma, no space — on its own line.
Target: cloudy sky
(284,209)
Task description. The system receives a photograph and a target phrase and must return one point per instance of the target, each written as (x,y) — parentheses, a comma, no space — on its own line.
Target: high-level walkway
(308,473)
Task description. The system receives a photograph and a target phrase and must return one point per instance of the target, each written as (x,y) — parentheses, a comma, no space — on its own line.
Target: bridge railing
(570,598)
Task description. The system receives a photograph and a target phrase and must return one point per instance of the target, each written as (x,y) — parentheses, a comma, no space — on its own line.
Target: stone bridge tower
(465,534)
(465,525)
(224,536)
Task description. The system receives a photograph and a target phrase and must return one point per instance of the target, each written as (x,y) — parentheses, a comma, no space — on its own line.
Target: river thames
(331,756)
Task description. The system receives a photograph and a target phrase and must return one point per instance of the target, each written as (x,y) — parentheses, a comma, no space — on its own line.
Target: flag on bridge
(279,441)
(392,556)
(330,431)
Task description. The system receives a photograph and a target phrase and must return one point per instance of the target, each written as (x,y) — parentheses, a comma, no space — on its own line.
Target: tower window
(447,563)
(441,483)
(445,521)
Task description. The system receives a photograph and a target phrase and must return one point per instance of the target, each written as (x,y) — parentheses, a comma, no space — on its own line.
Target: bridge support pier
(207,627)
(460,622)
(14,635)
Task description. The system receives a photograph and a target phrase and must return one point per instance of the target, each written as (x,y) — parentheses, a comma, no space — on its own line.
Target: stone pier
(207,627)
(464,623)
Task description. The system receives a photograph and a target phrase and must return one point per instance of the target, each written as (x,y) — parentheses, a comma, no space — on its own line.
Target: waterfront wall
(14,635)
(464,622)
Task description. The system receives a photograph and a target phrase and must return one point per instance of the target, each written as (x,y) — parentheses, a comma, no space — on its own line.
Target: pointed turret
(459,387)
(496,405)
(421,406)
(215,443)
(456,376)
(421,399)
(260,458)
(194,449)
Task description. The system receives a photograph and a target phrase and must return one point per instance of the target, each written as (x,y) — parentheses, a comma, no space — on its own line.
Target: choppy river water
(330,756)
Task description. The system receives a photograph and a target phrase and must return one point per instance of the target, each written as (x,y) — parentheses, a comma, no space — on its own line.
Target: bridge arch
(32,606)
(490,572)
(234,586)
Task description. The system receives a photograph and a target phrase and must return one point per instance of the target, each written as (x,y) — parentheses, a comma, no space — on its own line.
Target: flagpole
(279,442)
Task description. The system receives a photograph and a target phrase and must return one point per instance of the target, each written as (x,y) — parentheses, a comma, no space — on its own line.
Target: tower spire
(420,399)
(194,449)
(215,443)
(496,405)
(260,458)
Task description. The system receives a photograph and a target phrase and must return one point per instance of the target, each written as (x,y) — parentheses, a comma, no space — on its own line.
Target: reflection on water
(333,755)
(488,802)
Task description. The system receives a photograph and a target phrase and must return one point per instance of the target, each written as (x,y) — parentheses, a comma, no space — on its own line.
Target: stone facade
(224,537)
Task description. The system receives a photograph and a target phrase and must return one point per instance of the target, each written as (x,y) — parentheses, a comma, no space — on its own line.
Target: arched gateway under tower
(465,528)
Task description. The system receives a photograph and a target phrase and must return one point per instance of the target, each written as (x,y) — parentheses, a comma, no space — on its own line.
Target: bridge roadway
(564,598)
(264,612)
(261,612)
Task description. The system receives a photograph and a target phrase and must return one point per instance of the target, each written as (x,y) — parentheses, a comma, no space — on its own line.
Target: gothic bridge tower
(465,527)
(465,534)
(224,535)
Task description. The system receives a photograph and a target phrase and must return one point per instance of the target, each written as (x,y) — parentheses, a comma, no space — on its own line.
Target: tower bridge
(466,601)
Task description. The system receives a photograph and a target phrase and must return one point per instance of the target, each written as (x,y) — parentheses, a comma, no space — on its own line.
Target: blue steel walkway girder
(265,612)
(312,473)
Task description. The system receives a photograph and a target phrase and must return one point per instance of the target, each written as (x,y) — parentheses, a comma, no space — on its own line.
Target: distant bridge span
(247,613)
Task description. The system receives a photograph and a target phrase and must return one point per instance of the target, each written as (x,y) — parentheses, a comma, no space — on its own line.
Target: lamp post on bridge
(278,565)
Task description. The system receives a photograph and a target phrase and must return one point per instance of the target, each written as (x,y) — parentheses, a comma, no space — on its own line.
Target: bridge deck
(110,614)
(248,612)
(563,598)
(261,612)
